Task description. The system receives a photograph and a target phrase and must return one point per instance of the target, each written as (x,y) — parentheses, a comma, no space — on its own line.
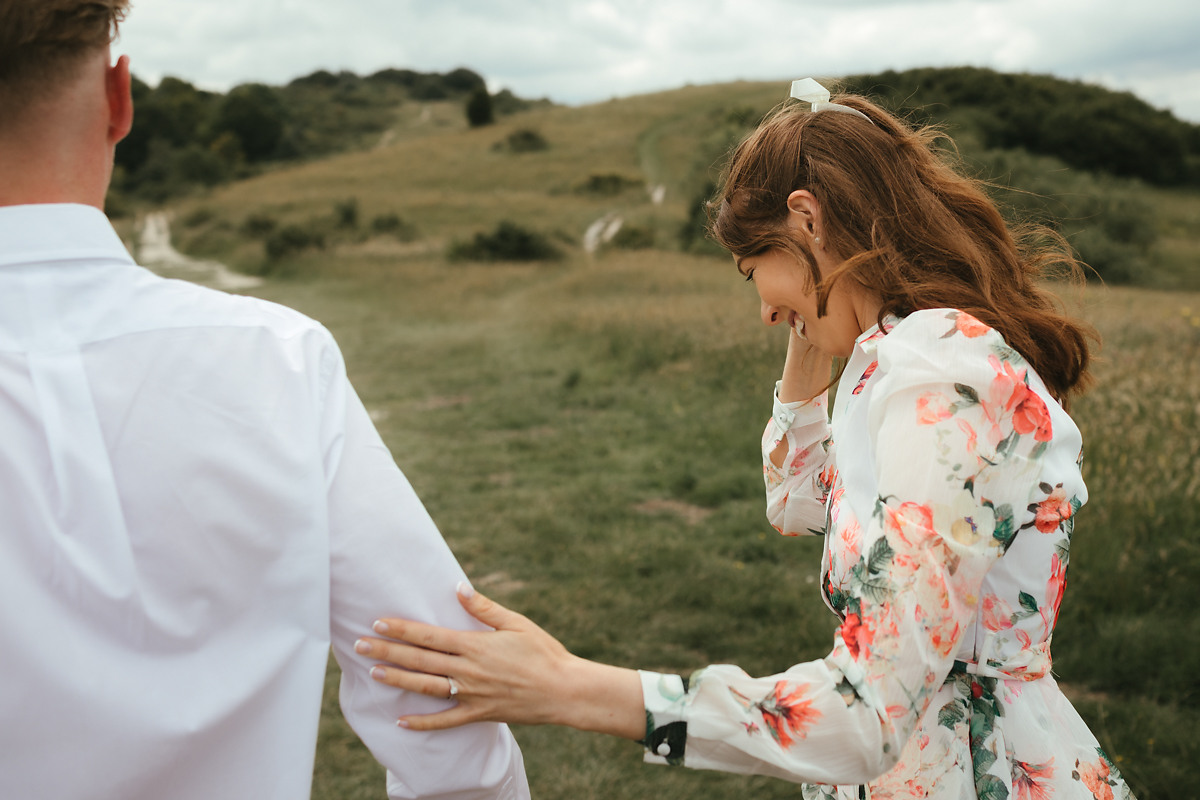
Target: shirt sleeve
(956,432)
(389,559)
(796,492)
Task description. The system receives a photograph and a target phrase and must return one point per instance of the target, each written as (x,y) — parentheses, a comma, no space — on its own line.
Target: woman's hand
(806,370)
(516,673)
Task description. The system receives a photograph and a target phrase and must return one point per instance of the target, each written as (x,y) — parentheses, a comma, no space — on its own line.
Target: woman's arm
(797,468)
(517,673)
(805,376)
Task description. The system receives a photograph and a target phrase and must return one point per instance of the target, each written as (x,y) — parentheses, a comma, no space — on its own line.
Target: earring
(817,241)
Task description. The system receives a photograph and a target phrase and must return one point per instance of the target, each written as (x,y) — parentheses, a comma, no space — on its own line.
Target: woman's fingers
(419,682)
(435,722)
(415,659)
(488,611)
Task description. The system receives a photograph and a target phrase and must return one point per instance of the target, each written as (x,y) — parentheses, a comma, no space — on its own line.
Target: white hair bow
(809,91)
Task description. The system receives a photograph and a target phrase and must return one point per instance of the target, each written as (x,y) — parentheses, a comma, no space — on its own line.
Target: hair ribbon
(809,91)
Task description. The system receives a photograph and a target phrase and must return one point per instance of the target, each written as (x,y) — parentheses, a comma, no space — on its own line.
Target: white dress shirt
(195,506)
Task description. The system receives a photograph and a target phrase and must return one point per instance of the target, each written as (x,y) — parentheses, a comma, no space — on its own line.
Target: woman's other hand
(516,673)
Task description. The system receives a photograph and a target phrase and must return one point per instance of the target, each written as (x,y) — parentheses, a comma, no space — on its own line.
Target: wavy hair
(911,228)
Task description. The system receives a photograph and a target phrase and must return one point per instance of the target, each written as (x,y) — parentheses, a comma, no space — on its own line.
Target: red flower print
(1095,778)
(866,376)
(788,715)
(1031,416)
(909,519)
(1054,591)
(1029,780)
(932,408)
(997,616)
(1053,510)
(856,635)
(968,326)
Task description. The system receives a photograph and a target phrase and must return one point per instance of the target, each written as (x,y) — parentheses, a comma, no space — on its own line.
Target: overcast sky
(581,51)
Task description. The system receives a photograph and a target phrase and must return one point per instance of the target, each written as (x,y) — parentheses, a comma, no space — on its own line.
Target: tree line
(184,137)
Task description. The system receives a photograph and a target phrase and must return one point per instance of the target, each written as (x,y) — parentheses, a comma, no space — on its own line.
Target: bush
(479,108)
(607,184)
(292,239)
(258,224)
(633,237)
(345,213)
(524,140)
(509,242)
(392,224)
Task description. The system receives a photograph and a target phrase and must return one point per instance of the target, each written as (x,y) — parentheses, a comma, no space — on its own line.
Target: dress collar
(868,340)
(57,232)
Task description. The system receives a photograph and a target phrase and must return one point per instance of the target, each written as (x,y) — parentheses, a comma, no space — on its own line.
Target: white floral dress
(946,489)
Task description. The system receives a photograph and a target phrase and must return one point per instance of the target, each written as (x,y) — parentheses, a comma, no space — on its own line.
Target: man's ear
(119,90)
(804,212)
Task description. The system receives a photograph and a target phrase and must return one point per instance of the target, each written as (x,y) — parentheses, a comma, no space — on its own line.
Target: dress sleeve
(796,492)
(955,432)
(387,558)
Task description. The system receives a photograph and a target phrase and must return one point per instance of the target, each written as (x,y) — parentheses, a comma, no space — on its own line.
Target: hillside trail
(155,252)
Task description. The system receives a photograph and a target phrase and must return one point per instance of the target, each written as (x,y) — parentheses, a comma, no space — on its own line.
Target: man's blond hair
(43,43)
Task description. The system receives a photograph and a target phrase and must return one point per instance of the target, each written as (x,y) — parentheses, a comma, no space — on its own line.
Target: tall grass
(586,436)
(585,431)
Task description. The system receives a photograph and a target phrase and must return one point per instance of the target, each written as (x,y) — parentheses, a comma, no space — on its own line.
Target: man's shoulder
(178,303)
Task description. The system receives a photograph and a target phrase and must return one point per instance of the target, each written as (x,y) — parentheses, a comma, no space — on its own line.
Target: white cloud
(589,50)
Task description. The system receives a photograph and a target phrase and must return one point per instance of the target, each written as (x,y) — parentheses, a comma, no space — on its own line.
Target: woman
(946,488)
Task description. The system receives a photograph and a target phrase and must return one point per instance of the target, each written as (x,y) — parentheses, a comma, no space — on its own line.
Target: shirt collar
(57,232)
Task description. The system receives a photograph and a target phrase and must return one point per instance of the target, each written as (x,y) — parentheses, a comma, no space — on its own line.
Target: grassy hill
(585,428)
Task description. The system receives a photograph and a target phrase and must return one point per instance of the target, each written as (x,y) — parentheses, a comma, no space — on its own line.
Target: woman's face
(783,285)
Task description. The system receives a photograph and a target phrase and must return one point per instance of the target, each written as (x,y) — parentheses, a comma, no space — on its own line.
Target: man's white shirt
(194,505)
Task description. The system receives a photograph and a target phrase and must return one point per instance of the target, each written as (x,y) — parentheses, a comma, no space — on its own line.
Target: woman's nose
(771,315)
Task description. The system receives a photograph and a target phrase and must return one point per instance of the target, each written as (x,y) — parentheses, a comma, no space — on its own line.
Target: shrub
(524,140)
(292,239)
(479,108)
(391,223)
(345,213)
(258,224)
(608,183)
(198,217)
(633,237)
(508,242)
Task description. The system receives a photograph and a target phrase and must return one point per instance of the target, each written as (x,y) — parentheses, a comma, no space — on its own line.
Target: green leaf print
(1028,602)
(880,556)
(967,393)
(989,787)
(982,760)
(951,714)
(1005,530)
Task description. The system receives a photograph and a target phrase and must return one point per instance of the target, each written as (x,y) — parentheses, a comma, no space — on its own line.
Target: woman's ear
(804,212)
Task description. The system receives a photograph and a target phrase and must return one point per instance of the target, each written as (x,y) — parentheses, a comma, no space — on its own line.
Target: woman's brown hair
(913,230)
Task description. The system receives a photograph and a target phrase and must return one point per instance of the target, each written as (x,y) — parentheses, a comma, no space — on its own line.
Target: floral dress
(946,488)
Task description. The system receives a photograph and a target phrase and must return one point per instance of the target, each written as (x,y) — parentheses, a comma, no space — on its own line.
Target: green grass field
(586,431)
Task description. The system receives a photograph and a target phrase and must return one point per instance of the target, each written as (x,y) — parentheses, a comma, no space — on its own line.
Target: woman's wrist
(805,371)
(603,699)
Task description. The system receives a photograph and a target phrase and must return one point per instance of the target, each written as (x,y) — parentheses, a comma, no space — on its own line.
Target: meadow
(585,430)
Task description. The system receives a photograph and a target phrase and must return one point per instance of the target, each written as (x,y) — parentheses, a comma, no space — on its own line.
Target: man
(193,502)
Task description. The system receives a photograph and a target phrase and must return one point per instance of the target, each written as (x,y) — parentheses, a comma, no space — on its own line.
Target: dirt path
(155,252)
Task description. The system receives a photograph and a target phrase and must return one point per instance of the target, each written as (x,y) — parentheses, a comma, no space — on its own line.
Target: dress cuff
(665,698)
(784,416)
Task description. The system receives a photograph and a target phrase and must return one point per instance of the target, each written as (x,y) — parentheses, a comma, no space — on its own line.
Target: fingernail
(362,646)
(402,723)
(465,590)
(377,673)
(379,626)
